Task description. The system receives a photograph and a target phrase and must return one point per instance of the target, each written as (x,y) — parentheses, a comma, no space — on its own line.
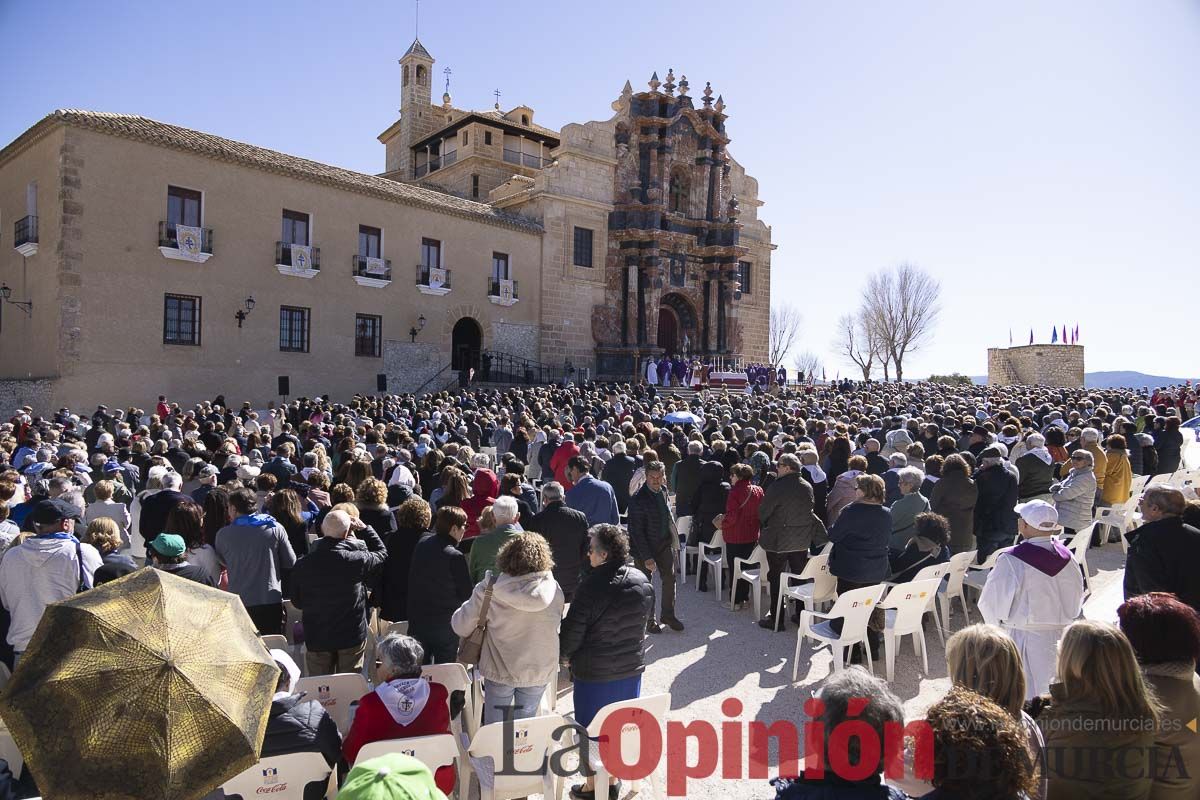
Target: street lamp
(6,296)
(413,331)
(241,315)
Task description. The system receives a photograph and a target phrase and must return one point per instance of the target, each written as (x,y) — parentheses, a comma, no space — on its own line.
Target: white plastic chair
(977,574)
(953,586)
(282,777)
(531,743)
(337,693)
(684,526)
(651,708)
(1079,547)
(1117,517)
(854,609)
(932,572)
(294,615)
(712,555)
(273,641)
(821,586)
(754,571)
(432,751)
(905,608)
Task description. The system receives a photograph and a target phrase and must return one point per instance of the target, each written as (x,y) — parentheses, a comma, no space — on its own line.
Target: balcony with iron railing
(427,285)
(25,235)
(366,274)
(168,243)
(292,264)
(498,296)
(525,159)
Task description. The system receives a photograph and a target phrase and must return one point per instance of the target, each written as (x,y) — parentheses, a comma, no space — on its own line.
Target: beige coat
(1078,738)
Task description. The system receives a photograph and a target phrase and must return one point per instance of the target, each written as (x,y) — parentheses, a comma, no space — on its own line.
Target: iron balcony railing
(506,368)
(526,159)
(494,288)
(359,264)
(166,237)
(283,256)
(434,164)
(423,276)
(25,231)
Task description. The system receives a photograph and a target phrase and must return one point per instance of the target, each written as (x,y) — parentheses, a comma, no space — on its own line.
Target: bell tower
(416,106)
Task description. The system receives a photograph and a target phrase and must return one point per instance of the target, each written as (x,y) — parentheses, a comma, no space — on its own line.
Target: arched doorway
(677,325)
(466,341)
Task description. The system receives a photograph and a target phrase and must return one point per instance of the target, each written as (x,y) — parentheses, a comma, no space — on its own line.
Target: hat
(394,776)
(48,512)
(288,665)
(111,465)
(1039,514)
(169,545)
(209,471)
(248,472)
(991,451)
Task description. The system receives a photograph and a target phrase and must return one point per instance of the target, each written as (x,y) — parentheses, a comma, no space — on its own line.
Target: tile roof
(165,135)
(416,48)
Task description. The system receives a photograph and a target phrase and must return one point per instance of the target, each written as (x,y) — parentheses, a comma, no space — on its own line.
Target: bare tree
(808,363)
(902,305)
(782,332)
(856,343)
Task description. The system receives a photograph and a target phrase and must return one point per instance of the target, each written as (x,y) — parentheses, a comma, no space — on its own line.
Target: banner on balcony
(437,278)
(188,240)
(301,256)
(375,266)
(506,291)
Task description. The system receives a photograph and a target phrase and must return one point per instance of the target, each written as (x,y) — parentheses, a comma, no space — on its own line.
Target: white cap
(1039,514)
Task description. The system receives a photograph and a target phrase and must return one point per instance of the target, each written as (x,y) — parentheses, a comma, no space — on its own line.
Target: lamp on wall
(6,296)
(413,331)
(241,314)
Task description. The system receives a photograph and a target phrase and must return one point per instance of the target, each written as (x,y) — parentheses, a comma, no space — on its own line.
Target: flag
(1076,337)
(1053,335)
(1010,337)
(1064,334)
(1031,335)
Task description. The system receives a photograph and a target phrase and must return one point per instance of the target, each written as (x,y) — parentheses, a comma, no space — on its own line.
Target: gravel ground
(723,654)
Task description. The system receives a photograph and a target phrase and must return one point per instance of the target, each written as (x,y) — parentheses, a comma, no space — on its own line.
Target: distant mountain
(1115,379)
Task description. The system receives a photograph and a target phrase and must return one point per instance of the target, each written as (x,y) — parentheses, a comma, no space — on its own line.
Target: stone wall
(37,393)
(409,365)
(515,339)
(1058,365)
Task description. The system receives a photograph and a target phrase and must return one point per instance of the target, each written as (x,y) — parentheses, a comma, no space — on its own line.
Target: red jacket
(740,525)
(558,462)
(373,723)
(486,488)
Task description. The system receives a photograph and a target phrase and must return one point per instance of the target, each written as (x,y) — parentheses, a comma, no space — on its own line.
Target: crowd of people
(554,516)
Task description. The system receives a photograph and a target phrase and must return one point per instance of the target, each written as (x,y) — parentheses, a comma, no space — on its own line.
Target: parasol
(151,686)
(682,418)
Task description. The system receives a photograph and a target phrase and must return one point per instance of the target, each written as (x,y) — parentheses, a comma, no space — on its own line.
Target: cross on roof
(497,93)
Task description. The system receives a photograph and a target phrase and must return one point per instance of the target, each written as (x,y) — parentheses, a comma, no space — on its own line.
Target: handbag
(471,648)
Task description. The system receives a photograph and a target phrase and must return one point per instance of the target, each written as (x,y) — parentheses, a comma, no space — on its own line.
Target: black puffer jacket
(646,531)
(1035,476)
(296,725)
(617,473)
(328,586)
(711,493)
(998,491)
(604,631)
(567,532)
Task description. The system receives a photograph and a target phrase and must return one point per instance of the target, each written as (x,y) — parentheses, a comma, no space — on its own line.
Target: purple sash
(1049,562)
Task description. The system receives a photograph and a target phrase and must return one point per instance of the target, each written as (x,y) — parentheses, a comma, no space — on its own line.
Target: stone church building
(592,247)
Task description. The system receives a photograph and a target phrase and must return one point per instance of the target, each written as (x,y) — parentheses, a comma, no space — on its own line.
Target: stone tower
(416,107)
(1057,365)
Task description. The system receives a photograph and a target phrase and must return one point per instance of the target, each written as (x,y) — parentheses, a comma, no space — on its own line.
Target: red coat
(486,488)
(373,723)
(740,525)
(558,462)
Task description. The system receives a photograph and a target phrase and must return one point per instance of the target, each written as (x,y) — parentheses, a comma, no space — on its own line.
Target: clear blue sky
(1041,159)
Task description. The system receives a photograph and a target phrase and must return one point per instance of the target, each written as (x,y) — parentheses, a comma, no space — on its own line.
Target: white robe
(651,372)
(1033,608)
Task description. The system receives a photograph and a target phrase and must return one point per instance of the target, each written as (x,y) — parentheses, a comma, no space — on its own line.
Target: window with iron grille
(293,329)
(368,335)
(583,247)
(181,319)
(744,277)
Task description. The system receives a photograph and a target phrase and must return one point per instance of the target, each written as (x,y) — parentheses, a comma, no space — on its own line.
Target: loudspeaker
(381,382)
(285,387)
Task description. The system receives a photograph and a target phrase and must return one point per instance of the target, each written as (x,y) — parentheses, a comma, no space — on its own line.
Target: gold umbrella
(151,686)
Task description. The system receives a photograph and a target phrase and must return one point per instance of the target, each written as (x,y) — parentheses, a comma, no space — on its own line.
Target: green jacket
(483,553)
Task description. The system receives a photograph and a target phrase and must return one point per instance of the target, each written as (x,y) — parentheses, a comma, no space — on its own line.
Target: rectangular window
(466,138)
(369,241)
(295,228)
(744,276)
(293,329)
(31,199)
(183,206)
(583,247)
(181,319)
(431,253)
(474,187)
(487,137)
(500,266)
(368,333)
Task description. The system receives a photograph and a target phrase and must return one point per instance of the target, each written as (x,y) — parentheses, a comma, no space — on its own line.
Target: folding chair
(529,745)
(854,609)
(904,612)
(337,693)
(652,708)
(1079,547)
(434,752)
(757,578)
(712,555)
(282,777)
(821,587)
(953,586)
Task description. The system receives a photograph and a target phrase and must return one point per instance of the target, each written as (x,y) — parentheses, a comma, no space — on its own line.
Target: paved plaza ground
(723,654)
